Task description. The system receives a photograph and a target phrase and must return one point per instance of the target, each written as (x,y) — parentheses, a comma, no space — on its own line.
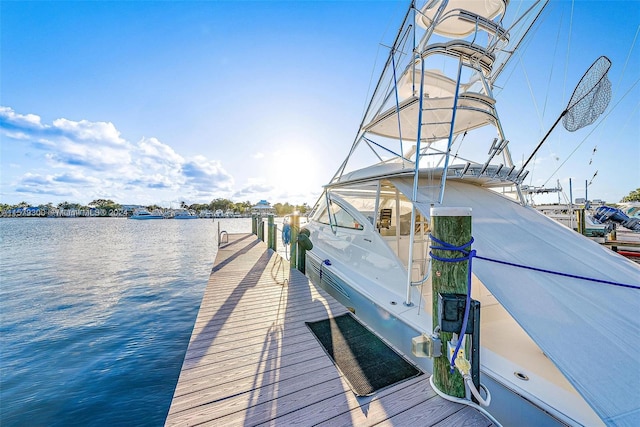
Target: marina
(425,286)
(252,360)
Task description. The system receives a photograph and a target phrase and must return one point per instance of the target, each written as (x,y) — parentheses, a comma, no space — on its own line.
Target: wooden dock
(252,360)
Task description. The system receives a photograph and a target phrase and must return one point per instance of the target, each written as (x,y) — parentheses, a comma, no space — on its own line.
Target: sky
(146,102)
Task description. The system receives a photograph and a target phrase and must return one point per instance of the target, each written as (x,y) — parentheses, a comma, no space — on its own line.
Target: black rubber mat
(367,363)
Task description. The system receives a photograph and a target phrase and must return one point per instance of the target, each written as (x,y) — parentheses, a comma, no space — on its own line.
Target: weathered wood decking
(252,361)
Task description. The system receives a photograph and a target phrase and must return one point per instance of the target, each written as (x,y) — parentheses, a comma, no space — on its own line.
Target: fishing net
(590,98)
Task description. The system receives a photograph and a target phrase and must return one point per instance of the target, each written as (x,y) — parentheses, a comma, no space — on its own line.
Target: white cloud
(207,175)
(253,191)
(61,185)
(92,158)
(83,160)
(85,130)
(28,120)
(152,148)
(16,135)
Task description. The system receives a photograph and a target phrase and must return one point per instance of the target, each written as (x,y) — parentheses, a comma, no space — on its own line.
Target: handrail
(223,235)
(468,52)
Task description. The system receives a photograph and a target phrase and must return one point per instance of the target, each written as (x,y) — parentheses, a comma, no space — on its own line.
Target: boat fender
(304,242)
(305,231)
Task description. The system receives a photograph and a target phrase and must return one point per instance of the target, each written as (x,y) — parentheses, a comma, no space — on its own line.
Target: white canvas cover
(455,28)
(590,330)
(474,110)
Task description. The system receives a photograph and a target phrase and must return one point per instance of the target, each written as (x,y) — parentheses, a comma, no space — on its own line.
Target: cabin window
(360,198)
(339,217)
(319,212)
(343,218)
(324,216)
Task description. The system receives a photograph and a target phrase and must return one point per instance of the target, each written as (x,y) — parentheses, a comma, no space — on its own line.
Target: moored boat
(184,214)
(142,213)
(558,311)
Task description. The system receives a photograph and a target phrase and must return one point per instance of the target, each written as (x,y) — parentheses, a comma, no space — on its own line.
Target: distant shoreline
(97,213)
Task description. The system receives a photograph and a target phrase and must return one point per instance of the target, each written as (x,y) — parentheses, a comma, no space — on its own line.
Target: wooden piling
(453,226)
(271,233)
(295,228)
(260,225)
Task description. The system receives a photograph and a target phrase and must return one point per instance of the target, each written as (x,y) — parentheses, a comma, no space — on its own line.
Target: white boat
(184,214)
(559,324)
(571,216)
(142,213)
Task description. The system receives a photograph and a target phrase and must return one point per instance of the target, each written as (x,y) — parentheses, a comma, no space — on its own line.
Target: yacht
(142,213)
(557,319)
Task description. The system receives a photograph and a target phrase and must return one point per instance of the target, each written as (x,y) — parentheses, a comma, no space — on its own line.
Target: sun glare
(294,168)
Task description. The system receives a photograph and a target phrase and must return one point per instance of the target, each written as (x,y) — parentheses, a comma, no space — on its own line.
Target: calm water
(96,314)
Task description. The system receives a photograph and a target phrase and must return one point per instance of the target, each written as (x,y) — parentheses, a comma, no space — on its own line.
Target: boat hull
(146,217)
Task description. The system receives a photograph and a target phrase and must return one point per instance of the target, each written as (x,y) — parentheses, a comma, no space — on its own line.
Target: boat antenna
(589,100)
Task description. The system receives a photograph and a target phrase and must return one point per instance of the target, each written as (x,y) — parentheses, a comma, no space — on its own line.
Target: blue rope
(558,273)
(466,256)
(472,254)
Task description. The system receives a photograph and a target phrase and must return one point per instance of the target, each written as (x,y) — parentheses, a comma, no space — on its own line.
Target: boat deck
(252,360)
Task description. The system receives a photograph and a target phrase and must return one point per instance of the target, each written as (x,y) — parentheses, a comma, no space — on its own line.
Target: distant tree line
(105,206)
(287,209)
(633,196)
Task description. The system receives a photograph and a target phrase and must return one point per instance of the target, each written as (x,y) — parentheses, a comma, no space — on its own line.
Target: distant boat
(142,213)
(185,214)
(568,216)
(606,214)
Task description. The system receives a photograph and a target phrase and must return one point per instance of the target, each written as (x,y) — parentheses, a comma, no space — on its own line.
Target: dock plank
(251,360)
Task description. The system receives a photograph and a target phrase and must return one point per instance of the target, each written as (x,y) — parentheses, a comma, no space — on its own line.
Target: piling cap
(449,211)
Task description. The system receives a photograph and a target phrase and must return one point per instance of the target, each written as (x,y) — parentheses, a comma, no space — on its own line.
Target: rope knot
(444,246)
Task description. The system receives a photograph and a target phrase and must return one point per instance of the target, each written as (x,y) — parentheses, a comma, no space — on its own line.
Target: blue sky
(161,102)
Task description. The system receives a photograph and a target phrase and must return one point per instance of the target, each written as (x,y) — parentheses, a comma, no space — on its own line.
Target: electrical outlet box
(451,313)
(451,348)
